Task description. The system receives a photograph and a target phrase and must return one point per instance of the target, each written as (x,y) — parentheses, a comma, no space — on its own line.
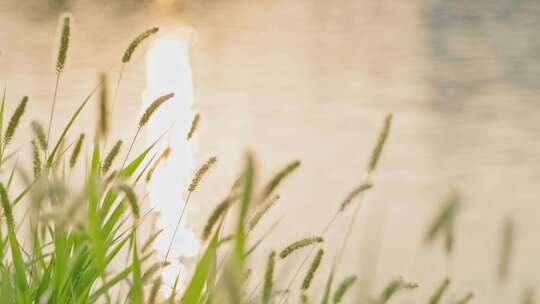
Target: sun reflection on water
(168,70)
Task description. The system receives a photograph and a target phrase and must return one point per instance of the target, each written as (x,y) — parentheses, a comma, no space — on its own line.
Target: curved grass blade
(50,159)
(193,292)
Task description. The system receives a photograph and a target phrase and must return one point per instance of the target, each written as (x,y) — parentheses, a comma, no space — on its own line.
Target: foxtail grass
(507,242)
(21,283)
(214,217)
(14,121)
(312,270)
(60,63)
(200,173)
(328,287)
(354,194)
(36,158)
(269,278)
(377,151)
(439,292)
(393,287)
(103,122)
(152,297)
(193,127)
(342,289)
(111,156)
(136,42)
(131,198)
(76,151)
(39,133)
(163,156)
(277,179)
(443,225)
(261,211)
(466,299)
(158,102)
(376,154)
(299,245)
(374,160)
(194,182)
(64,44)
(126,57)
(70,260)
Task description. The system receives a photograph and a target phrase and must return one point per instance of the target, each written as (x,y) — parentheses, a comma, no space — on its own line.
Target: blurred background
(312,80)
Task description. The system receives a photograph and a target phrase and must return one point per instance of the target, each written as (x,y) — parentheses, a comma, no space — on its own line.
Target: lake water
(312,80)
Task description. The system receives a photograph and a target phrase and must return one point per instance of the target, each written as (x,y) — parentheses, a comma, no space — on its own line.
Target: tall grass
(80,232)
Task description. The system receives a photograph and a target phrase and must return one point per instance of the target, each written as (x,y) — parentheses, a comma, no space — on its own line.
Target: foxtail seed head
(135,43)
(153,107)
(14,120)
(312,270)
(194,125)
(376,154)
(200,173)
(76,151)
(298,245)
(64,44)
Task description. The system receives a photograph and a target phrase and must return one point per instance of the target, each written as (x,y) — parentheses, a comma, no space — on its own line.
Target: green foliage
(79,232)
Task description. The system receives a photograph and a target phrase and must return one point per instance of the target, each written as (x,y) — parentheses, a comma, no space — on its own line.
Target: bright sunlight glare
(168,70)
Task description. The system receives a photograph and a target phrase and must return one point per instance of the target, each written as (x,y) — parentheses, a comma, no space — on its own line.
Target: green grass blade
(439,292)
(2,107)
(137,295)
(18,262)
(94,221)
(328,288)
(193,292)
(50,159)
(239,247)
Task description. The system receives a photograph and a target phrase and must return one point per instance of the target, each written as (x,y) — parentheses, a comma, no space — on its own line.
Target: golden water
(313,80)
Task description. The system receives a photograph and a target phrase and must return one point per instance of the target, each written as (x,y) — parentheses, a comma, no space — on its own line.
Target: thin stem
(115,98)
(117,89)
(350,228)
(130,148)
(175,231)
(51,116)
(324,231)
